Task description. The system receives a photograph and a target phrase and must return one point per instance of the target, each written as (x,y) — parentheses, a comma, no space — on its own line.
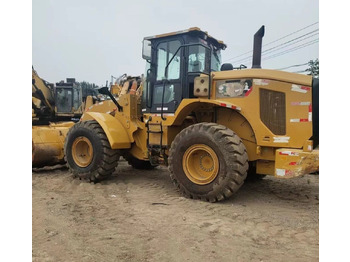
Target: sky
(93,40)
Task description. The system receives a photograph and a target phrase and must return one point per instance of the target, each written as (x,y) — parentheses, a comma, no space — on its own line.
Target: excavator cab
(60,102)
(174,61)
(68,97)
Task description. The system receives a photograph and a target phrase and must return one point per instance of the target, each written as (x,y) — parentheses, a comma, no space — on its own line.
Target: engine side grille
(273,110)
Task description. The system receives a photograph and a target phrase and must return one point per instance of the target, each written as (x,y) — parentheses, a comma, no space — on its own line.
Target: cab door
(172,84)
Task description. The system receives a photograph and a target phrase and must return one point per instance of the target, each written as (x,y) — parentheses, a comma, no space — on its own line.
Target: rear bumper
(294,162)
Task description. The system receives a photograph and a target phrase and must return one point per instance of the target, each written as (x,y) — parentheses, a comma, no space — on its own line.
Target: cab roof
(204,34)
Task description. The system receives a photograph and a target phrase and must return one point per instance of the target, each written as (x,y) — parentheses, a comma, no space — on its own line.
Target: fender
(116,133)
(187,105)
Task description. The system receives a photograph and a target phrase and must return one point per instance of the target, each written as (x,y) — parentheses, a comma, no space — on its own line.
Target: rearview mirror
(103,90)
(146,49)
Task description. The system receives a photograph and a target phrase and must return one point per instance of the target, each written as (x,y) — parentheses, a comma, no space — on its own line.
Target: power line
(291,66)
(246,59)
(243,59)
(293,40)
(274,41)
(278,40)
(301,71)
(291,34)
(293,49)
(283,45)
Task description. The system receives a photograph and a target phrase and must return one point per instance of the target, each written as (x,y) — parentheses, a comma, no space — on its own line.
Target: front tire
(208,161)
(88,153)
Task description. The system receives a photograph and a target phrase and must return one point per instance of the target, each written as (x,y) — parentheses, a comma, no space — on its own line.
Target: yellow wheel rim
(82,151)
(201,164)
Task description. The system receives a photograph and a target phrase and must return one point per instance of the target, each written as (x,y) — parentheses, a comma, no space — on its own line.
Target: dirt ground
(140,216)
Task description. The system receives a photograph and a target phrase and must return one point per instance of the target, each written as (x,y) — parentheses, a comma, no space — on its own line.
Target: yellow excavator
(212,124)
(55,108)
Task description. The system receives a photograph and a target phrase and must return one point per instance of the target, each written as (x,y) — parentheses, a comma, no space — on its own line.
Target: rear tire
(88,153)
(208,161)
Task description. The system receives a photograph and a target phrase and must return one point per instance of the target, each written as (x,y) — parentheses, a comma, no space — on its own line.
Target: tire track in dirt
(140,216)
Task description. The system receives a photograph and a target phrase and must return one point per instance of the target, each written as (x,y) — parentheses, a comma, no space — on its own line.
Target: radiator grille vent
(273,110)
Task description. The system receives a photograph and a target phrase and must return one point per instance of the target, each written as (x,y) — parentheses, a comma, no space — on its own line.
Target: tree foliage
(313,68)
(88,89)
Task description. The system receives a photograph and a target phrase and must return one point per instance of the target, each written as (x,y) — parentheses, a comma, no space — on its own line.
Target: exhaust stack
(257,47)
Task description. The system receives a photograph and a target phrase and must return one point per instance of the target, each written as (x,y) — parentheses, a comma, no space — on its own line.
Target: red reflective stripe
(305,88)
(292,163)
(310,108)
(286,153)
(304,120)
(249,91)
(230,106)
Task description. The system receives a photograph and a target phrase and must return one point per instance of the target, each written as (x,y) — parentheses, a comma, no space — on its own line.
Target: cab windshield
(215,60)
(198,60)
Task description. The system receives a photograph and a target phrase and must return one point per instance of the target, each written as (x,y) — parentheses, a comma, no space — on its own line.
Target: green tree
(313,68)
(88,89)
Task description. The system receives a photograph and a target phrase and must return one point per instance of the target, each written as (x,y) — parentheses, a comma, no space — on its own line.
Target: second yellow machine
(54,110)
(211,124)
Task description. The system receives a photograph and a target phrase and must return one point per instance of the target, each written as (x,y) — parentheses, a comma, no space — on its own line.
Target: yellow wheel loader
(55,109)
(211,124)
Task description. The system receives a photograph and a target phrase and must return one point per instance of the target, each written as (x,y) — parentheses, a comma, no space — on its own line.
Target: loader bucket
(48,143)
(47,155)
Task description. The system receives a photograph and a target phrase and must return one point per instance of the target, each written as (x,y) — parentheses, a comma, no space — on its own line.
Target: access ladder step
(154,132)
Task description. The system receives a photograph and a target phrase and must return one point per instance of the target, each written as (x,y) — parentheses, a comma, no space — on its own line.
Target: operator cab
(174,60)
(68,97)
